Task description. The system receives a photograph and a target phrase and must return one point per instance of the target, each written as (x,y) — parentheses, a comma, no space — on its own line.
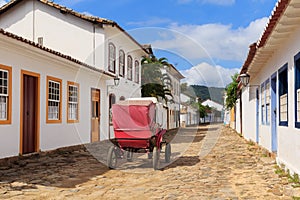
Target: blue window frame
(262,103)
(297,90)
(265,102)
(283,95)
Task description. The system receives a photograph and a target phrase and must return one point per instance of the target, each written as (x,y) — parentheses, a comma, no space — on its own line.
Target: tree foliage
(154,83)
(231,92)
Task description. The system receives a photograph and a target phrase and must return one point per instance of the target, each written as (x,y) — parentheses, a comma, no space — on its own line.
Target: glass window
(112,101)
(297,90)
(137,71)
(5,95)
(268,99)
(129,68)
(73,102)
(54,100)
(112,57)
(121,63)
(283,96)
(263,108)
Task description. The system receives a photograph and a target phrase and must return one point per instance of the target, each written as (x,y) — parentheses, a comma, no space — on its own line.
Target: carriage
(137,124)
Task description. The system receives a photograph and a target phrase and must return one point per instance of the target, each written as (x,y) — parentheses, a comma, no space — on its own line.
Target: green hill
(213,93)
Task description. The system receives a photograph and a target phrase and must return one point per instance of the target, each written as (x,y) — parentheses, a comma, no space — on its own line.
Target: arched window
(111,58)
(121,63)
(129,68)
(112,101)
(136,71)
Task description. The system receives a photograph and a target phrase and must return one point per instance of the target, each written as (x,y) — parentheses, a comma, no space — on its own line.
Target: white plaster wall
(249,113)
(65,33)
(237,114)
(288,137)
(52,136)
(19,20)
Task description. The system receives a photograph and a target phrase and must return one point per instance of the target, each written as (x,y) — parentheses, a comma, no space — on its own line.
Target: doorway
(274,112)
(30,109)
(257,115)
(95,118)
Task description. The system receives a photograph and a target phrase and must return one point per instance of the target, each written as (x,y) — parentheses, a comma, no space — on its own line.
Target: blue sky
(207,40)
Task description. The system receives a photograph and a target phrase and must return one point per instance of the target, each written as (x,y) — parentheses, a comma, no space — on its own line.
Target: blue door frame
(274,111)
(257,115)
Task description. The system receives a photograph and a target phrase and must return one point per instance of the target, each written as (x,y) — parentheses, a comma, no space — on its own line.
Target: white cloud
(217,41)
(209,75)
(2,2)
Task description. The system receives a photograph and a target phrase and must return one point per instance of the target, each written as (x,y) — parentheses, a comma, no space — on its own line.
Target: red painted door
(29,114)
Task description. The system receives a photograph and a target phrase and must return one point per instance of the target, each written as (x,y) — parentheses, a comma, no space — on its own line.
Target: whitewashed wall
(249,113)
(19,20)
(288,137)
(21,57)
(237,114)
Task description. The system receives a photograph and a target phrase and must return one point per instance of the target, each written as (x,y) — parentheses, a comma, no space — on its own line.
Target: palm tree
(153,81)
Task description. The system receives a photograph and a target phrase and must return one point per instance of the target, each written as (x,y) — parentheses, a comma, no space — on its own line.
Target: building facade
(57,71)
(268,109)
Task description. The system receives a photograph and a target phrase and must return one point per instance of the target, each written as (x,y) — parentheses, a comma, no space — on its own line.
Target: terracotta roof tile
(273,20)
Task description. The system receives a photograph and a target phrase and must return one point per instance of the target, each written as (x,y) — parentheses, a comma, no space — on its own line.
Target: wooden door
(95,118)
(30,114)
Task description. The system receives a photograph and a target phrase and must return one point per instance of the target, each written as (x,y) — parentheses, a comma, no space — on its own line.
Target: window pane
(298,105)
(112,57)
(129,68)
(283,108)
(73,103)
(3,108)
(53,100)
(3,82)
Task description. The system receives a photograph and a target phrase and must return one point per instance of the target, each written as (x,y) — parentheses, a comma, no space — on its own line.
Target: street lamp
(116,80)
(116,83)
(245,78)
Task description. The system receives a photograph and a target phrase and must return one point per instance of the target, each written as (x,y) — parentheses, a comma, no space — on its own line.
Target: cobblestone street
(211,162)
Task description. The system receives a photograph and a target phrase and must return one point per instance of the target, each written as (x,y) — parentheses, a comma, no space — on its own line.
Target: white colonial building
(57,71)
(268,111)
(216,113)
(189,114)
(172,79)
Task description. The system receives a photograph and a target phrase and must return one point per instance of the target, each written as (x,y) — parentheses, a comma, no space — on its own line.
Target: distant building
(189,114)
(215,115)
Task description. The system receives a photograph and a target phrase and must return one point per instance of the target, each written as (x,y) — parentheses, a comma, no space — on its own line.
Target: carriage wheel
(130,156)
(112,158)
(168,153)
(156,155)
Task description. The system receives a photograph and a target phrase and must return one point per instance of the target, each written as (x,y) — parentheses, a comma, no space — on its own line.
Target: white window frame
(73,104)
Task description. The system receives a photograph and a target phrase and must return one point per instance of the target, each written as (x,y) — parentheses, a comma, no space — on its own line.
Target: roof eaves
(277,13)
(62,9)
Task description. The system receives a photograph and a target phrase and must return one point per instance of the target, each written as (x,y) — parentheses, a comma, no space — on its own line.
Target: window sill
(283,123)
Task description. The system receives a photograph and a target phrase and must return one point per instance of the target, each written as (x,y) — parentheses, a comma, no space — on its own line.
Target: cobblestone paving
(210,162)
